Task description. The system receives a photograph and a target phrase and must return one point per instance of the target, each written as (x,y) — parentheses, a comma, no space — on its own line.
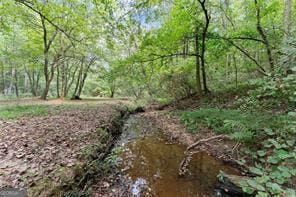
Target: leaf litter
(32,148)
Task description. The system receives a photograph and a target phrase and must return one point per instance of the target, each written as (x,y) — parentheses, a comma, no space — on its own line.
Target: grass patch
(14,112)
(241,126)
(17,111)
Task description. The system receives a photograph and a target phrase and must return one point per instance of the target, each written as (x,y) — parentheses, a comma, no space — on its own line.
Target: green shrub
(270,145)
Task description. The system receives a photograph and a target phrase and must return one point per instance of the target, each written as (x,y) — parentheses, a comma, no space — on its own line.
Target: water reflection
(153,164)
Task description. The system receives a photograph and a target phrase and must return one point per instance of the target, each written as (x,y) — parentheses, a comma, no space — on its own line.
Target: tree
(263,36)
(287,14)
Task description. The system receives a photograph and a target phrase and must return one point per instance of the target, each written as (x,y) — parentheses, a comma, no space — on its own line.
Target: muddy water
(152,164)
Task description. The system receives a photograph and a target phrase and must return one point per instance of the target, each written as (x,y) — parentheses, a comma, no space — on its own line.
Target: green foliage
(271,93)
(240,125)
(13,112)
(29,110)
(274,163)
(178,82)
(273,158)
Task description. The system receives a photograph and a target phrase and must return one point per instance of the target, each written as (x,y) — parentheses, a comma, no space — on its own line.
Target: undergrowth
(270,145)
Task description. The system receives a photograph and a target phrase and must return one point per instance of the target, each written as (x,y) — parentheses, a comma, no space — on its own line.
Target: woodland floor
(33,149)
(37,149)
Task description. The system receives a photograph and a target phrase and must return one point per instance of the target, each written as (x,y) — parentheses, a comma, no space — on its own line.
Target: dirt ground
(35,149)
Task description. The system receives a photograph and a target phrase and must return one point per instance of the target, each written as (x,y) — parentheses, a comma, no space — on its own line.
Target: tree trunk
(75,96)
(63,81)
(31,77)
(72,77)
(203,45)
(287,18)
(2,86)
(264,37)
(58,82)
(197,67)
(82,82)
(236,70)
(16,83)
(48,72)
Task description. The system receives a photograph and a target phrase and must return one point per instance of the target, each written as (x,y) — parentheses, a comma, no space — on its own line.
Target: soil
(36,149)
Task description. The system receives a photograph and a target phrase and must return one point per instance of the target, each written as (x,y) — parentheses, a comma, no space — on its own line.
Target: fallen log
(230,185)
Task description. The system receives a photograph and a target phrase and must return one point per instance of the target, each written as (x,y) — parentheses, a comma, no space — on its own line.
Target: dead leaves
(33,148)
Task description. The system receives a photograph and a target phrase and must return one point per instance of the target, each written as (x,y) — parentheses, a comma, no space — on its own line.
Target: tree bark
(16,83)
(75,96)
(48,72)
(264,37)
(236,70)
(2,87)
(85,74)
(287,18)
(58,82)
(197,66)
(203,43)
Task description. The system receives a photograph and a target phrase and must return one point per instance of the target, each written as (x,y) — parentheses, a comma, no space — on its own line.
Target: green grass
(241,126)
(14,112)
(17,111)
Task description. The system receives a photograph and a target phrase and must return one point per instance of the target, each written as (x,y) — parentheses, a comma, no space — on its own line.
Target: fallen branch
(183,168)
(220,137)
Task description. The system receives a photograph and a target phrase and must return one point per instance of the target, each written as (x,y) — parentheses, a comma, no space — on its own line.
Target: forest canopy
(144,49)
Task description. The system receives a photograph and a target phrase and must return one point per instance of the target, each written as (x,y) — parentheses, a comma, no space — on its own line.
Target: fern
(243,136)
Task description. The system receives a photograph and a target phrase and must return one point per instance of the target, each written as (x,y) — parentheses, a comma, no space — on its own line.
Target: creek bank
(222,149)
(150,160)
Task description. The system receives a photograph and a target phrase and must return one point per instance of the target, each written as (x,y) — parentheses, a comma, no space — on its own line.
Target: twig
(192,146)
(183,168)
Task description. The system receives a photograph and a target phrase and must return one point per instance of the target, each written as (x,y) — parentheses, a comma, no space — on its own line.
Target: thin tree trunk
(58,82)
(48,72)
(85,74)
(236,70)
(71,82)
(197,66)
(63,82)
(16,83)
(31,82)
(2,87)
(264,37)
(203,45)
(75,96)
(287,18)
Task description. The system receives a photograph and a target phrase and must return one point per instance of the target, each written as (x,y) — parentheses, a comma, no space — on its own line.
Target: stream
(151,164)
